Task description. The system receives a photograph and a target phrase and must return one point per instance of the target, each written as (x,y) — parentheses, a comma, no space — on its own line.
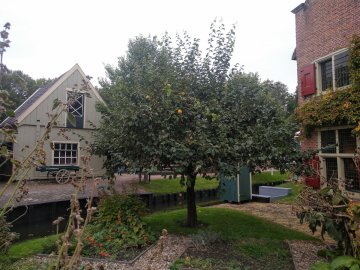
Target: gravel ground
(304,253)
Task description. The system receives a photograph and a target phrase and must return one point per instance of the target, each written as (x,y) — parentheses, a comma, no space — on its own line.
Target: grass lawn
(25,249)
(235,240)
(266,177)
(230,224)
(164,186)
(295,191)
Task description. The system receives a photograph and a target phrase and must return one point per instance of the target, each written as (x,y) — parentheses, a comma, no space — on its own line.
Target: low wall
(36,219)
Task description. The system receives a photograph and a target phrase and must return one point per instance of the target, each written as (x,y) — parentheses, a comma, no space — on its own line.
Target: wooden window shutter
(308,82)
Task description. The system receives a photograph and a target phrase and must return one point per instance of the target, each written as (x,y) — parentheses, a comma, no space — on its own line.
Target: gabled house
(31,119)
(324,29)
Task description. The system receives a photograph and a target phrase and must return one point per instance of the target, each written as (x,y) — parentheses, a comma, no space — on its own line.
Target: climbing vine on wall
(354,62)
(335,108)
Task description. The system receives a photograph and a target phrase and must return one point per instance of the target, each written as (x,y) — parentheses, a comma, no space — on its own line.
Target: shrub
(117,227)
(114,208)
(331,211)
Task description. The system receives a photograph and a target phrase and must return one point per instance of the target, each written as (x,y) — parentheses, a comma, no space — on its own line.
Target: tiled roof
(27,103)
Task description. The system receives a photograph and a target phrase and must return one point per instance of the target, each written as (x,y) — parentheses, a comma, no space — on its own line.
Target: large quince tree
(171,105)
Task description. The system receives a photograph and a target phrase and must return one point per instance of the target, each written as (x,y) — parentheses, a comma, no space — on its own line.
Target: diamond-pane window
(76,108)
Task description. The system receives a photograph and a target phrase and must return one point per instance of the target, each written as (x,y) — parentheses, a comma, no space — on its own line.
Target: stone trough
(270,194)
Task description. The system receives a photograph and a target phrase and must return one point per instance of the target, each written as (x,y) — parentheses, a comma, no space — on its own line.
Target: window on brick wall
(337,157)
(331,168)
(342,76)
(351,175)
(347,142)
(333,71)
(326,75)
(328,141)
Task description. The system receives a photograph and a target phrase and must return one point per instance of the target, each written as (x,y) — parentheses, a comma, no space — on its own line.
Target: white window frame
(65,142)
(318,63)
(84,105)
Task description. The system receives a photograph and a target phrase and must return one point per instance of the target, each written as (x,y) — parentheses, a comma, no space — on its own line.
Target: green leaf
(355,267)
(320,266)
(331,229)
(56,103)
(343,261)
(10,113)
(168,89)
(71,118)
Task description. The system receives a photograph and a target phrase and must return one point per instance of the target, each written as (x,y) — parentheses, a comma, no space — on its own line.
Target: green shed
(236,189)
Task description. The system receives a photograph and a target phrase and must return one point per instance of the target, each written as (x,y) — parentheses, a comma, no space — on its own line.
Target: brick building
(324,29)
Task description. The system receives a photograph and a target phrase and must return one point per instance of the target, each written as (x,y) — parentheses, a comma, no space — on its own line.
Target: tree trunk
(191,203)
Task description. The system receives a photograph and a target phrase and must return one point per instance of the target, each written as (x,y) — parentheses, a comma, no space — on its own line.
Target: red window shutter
(308,82)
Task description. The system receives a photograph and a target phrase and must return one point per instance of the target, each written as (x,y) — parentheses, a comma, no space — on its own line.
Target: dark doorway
(6,166)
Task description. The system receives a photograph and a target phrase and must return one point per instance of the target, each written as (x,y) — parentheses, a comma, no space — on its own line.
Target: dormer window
(76,108)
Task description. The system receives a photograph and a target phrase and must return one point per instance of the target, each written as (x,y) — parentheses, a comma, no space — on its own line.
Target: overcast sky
(49,37)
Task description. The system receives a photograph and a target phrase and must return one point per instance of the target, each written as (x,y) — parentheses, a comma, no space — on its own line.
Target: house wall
(32,127)
(311,142)
(28,135)
(39,114)
(323,27)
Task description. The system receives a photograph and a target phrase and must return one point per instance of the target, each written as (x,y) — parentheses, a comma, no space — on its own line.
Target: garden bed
(123,259)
